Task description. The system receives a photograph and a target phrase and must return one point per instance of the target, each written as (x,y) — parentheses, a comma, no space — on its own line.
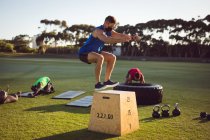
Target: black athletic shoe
(99,86)
(109,83)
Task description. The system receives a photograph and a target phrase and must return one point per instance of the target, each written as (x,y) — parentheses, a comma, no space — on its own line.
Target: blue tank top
(93,44)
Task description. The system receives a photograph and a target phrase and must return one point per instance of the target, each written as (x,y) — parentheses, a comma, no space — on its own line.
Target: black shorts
(84,58)
(45,89)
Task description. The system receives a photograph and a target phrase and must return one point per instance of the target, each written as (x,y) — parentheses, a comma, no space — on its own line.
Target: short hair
(110,19)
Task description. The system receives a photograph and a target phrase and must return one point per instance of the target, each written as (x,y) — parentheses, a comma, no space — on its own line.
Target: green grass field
(45,118)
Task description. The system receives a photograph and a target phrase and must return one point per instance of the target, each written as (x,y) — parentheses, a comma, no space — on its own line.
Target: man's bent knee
(112,58)
(100,59)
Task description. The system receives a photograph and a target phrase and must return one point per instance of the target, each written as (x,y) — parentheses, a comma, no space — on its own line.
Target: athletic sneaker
(99,86)
(109,83)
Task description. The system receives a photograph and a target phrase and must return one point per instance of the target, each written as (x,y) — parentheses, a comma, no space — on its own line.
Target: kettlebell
(208,117)
(165,110)
(203,115)
(156,111)
(176,111)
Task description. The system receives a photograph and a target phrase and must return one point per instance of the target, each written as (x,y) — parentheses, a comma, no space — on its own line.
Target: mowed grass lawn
(46,118)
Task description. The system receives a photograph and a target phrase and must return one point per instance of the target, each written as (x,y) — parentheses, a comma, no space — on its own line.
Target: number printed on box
(129,112)
(128,99)
(105,116)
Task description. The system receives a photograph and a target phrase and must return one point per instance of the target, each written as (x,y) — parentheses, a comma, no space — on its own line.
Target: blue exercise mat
(25,94)
(83,102)
(69,95)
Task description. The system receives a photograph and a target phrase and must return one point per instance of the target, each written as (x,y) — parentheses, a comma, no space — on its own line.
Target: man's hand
(136,38)
(127,38)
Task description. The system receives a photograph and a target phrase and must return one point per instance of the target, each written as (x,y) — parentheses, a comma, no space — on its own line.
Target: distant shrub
(30,50)
(6,47)
(62,50)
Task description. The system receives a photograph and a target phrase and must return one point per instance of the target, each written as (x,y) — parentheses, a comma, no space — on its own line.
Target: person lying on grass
(42,85)
(6,98)
(134,74)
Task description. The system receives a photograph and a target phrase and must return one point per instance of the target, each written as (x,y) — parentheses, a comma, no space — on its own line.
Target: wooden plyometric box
(114,112)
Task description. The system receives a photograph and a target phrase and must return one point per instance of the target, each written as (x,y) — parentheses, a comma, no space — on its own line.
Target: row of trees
(176,37)
(19,43)
(76,34)
(168,38)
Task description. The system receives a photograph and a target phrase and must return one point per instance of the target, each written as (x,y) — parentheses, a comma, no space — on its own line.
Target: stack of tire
(146,94)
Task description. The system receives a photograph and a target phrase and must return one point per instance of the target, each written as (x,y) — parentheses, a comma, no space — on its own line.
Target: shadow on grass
(151,119)
(59,107)
(141,106)
(83,134)
(201,120)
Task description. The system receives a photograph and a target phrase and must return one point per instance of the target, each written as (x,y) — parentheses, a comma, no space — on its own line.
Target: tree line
(159,38)
(169,38)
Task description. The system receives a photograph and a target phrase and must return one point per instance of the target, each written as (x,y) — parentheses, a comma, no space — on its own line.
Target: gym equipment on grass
(146,94)
(83,102)
(69,94)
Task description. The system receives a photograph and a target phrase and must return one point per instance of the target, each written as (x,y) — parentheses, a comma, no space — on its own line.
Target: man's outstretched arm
(110,39)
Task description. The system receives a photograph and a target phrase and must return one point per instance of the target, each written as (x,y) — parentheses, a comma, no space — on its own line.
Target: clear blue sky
(23,16)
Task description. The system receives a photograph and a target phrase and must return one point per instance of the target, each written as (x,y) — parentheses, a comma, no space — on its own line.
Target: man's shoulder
(97,31)
(100,27)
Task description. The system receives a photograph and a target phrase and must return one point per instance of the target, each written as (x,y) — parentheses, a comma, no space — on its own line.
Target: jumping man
(91,51)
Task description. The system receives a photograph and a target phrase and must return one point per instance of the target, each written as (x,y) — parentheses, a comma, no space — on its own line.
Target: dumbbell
(208,117)
(156,111)
(176,111)
(165,110)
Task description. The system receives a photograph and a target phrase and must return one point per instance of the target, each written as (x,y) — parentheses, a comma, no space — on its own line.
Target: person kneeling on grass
(42,85)
(5,98)
(134,74)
